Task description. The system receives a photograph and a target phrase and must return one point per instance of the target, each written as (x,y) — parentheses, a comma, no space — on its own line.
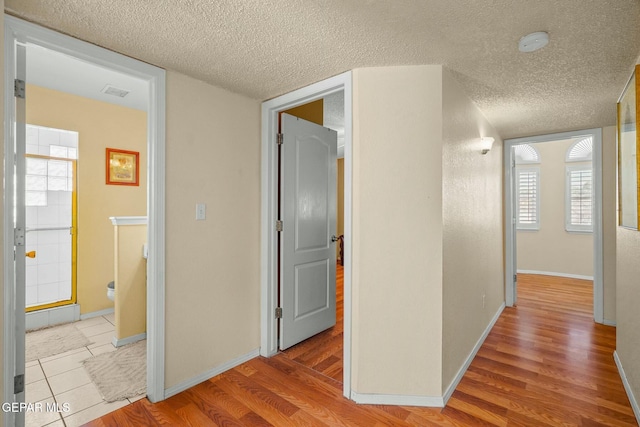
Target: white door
(514,225)
(308,211)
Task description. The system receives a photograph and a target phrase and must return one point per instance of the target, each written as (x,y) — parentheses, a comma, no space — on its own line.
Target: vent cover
(115,91)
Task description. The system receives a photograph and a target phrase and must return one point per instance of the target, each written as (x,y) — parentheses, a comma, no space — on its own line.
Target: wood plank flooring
(545,363)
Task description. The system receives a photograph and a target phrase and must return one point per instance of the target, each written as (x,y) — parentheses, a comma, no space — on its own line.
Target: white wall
(552,249)
(473,228)
(397,230)
(212,266)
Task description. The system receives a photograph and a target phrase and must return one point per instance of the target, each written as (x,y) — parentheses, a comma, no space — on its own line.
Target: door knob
(31,254)
(334,238)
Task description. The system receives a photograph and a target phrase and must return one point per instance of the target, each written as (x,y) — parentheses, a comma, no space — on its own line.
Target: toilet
(111,290)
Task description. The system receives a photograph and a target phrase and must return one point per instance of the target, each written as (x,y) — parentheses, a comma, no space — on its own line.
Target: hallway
(544,363)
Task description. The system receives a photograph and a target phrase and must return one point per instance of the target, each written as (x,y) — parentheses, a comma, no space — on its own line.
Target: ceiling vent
(115,91)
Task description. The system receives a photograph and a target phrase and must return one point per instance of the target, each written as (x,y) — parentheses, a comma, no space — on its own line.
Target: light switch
(201,211)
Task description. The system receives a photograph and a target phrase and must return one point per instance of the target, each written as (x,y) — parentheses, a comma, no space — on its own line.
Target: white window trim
(576,228)
(535,226)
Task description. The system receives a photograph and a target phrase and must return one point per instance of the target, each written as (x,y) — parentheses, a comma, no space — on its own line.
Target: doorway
(519,220)
(269,279)
(19,34)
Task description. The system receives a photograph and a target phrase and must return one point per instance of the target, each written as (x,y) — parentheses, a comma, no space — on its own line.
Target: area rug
(54,340)
(120,374)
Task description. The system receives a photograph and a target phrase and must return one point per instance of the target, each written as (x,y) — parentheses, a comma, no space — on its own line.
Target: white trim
(474,351)
(554,273)
(268,255)
(155,77)
(128,340)
(193,381)
(510,234)
(97,313)
(608,322)
(627,387)
(128,220)
(400,400)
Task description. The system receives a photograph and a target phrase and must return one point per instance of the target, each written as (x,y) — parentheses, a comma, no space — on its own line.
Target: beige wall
(473,228)
(130,272)
(609,220)
(212,266)
(397,230)
(552,249)
(99,125)
(2,210)
(628,301)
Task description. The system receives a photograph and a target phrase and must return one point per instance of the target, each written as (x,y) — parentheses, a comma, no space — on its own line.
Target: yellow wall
(130,272)
(212,266)
(397,231)
(99,125)
(473,228)
(552,249)
(312,112)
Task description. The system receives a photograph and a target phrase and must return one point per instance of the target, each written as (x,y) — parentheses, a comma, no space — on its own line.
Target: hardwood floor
(545,363)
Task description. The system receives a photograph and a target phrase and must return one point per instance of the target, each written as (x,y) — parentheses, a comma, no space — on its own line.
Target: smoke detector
(115,91)
(534,41)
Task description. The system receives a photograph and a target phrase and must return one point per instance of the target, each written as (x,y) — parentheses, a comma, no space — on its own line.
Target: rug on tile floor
(120,374)
(54,340)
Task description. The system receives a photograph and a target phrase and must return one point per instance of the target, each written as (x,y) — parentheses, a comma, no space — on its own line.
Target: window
(528,198)
(527,187)
(579,186)
(579,192)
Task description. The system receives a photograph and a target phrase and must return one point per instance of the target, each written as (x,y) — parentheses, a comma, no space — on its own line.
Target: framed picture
(123,167)
(628,150)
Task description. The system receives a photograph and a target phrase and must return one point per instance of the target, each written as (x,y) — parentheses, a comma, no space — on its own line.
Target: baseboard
(172,391)
(609,322)
(553,273)
(474,351)
(627,387)
(395,399)
(96,313)
(52,316)
(128,340)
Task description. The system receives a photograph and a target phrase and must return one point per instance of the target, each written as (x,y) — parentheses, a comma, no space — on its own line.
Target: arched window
(579,186)
(527,187)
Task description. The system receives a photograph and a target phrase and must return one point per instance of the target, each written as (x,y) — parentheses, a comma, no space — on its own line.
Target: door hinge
(18,236)
(18,88)
(278,225)
(278,312)
(18,384)
(515,278)
(280,139)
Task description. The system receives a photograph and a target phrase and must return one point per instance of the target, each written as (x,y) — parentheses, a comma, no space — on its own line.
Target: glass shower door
(50,222)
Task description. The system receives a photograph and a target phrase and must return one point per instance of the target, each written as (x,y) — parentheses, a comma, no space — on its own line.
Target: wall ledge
(128,220)
(627,387)
(184,385)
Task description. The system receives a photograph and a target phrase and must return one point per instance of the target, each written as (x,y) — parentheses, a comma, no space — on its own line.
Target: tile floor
(62,379)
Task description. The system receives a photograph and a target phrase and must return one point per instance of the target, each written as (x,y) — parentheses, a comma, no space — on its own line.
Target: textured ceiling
(264,48)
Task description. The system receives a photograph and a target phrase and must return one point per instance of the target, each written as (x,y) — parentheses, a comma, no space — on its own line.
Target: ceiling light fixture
(534,41)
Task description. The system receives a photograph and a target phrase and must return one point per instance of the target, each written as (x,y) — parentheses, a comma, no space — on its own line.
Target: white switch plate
(201,211)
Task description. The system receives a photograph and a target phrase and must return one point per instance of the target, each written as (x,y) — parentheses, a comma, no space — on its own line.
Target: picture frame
(629,154)
(122,167)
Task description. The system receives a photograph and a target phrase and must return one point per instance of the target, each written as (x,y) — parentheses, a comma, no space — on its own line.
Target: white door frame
(269,205)
(155,77)
(598,286)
